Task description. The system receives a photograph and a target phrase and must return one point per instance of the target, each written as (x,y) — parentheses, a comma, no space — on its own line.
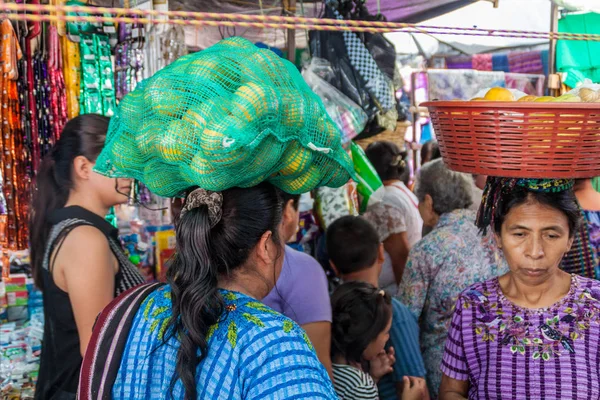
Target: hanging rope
(259,21)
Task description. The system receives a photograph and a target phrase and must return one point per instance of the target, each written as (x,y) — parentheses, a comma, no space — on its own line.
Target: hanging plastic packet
(109,29)
(75,29)
(332,204)
(369,186)
(107,87)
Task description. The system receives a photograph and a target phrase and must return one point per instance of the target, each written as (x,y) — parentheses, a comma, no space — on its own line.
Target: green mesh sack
(231,115)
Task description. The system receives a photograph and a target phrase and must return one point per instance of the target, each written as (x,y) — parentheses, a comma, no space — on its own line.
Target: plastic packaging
(347,115)
(333,204)
(588,92)
(369,186)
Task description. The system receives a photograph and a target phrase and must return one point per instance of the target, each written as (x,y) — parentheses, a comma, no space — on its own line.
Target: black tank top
(61,358)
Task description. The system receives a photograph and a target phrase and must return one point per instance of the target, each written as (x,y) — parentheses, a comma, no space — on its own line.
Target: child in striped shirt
(362,319)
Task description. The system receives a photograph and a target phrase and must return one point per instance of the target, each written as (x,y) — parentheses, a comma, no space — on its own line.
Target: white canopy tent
(528,15)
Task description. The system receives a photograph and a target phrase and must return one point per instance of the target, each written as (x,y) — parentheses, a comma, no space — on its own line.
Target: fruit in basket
(478,99)
(499,94)
(567,98)
(589,95)
(544,99)
(527,98)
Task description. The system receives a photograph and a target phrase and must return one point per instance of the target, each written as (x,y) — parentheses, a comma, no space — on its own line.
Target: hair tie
(213,200)
(398,161)
(382,293)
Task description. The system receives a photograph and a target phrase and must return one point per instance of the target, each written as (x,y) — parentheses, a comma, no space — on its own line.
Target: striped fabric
(253,353)
(509,352)
(584,256)
(353,384)
(103,356)
(404,336)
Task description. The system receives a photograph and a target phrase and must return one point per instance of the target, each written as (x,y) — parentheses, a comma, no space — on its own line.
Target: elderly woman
(447,260)
(399,212)
(534,332)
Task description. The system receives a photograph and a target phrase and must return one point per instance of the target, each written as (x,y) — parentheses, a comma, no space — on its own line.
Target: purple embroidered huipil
(509,352)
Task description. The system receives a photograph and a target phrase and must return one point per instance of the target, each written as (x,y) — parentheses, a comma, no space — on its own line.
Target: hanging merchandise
(72,75)
(97,87)
(129,58)
(347,115)
(14,160)
(360,76)
(58,100)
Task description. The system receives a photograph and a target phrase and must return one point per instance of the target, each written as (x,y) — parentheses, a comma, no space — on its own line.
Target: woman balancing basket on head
(229,128)
(535,331)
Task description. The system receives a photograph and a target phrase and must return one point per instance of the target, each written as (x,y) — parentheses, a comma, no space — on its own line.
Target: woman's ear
(82,167)
(333,267)
(498,239)
(570,244)
(264,249)
(381,255)
(429,203)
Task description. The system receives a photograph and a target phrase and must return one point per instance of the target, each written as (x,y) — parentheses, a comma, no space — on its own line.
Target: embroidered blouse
(253,353)
(508,352)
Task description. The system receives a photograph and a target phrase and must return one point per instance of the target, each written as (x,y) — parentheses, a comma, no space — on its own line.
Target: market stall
(59,62)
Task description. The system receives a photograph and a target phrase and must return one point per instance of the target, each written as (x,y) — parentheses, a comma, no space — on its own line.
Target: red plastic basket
(520,140)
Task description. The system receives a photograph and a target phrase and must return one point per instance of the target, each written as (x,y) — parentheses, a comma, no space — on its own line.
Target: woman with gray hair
(446,261)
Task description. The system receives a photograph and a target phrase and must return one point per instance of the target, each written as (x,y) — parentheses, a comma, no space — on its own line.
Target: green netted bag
(233,115)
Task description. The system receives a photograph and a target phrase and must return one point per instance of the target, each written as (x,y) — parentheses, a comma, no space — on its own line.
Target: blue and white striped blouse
(253,353)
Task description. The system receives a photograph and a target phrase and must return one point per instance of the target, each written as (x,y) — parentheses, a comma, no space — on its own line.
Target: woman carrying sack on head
(231,128)
(76,257)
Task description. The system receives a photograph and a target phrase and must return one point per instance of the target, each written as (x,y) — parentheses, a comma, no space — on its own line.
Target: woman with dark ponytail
(206,335)
(75,254)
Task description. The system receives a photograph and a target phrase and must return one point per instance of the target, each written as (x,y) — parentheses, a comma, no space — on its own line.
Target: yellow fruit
(527,98)
(499,94)
(303,183)
(544,99)
(200,166)
(295,159)
(567,98)
(477,99)
(252,101)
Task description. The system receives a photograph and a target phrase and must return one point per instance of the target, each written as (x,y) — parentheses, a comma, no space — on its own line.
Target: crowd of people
(435,300)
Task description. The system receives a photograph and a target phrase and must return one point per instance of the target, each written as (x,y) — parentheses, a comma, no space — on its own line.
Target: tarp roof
(414,11)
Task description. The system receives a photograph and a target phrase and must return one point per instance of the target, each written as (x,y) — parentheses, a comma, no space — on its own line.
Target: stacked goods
(231,115)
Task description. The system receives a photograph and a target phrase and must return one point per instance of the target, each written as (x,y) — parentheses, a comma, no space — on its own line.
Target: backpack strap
(103,356)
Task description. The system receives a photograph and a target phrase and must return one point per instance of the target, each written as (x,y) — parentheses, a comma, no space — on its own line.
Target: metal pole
(553,29)
(290,6)
(553,78)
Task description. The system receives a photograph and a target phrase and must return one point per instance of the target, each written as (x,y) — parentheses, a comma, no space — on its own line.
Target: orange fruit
(499,94)
(528,98)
